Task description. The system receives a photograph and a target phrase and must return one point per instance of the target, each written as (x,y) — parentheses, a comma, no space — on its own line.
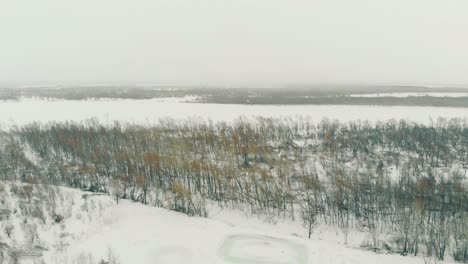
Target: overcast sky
(204,42)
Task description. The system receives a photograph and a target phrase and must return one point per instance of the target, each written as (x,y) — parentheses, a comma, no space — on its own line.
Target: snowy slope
(143,234)
(43,219)
(135,233)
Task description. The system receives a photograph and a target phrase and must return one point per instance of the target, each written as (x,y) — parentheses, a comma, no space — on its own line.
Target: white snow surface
(144,234)
(411,94)
(141,234)
(152,110)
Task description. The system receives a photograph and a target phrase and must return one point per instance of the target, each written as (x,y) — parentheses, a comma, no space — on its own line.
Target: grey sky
(234,41)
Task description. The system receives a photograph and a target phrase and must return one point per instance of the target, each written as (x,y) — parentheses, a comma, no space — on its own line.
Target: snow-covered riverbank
(150,111)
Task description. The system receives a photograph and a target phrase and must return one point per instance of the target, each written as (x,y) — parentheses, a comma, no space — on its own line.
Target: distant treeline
(315,95)
(90,92)
(341,100)
(404,183)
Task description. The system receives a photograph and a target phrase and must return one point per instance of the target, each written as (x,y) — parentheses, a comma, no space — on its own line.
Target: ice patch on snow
(258,249)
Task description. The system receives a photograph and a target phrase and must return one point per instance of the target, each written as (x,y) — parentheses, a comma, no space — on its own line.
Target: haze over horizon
(226,43)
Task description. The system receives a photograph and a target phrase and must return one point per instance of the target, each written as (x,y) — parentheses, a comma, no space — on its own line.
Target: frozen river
(149,111)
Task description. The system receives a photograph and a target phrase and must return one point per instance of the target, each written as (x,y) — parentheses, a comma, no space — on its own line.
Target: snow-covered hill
(61,225)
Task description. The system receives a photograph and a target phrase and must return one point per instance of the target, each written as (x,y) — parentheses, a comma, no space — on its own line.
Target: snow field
(401,95)
(142,235)
(139,234)
(147,112)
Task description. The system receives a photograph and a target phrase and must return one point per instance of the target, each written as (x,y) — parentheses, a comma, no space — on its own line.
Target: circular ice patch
(258,249)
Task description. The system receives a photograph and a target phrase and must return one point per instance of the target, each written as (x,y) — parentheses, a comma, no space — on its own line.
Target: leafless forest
(397,177)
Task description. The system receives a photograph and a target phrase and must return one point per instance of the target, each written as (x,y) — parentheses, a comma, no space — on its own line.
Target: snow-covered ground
(143,234)
(150,111)
(140,234)
(411,94)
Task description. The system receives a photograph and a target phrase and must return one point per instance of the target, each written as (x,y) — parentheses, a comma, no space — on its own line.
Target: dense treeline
(340,100)
(315,95)
(403,182)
